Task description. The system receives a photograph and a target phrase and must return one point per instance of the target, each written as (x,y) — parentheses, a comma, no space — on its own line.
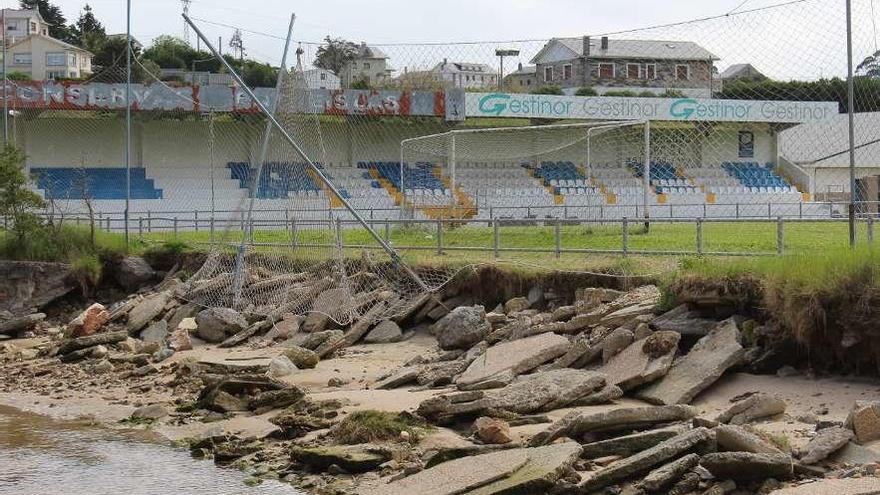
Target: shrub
(672,93)
(372,426)
(621,92)
(86,269)
(18,203)
(586,91)
(548,90)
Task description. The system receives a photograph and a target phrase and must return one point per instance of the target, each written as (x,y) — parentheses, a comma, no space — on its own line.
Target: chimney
(604,42)
(445,61)
(586,46)
(520,66)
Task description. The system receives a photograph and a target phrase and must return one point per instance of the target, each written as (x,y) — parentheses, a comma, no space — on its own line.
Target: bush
(18,204)
(621,92)
(548,90)
(372,426)
(164,256)
(586,91)
(18,76)
(86,269)
(672,93)
(647,94)
(56,243)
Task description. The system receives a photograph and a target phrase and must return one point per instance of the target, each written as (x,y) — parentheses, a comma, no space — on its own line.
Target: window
(528,82)
(323,76)
(650,71)
(45,32)
(54,75)
(548,74)
(366,65)
(566,71)
(606,71)
(633,71)
(682,72)
(55,59)
(33,27)
(71,59)
(12,27)
(21,59)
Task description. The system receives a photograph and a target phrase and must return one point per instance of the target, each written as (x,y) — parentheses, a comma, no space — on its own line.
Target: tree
(52,15)
(17,202)
(237,44)
(87,29)
(870,66)
(335,54)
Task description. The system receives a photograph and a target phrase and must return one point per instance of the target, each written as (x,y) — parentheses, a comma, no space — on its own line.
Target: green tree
(17,202)
(335,54)
(360,84)
(87,30)
(52,15)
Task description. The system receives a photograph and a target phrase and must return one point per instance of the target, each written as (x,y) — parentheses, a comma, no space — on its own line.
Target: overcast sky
(806,52)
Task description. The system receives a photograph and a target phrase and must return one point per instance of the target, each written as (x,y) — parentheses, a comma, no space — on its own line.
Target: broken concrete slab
(738,439)
(628,444)
(639,364)
(751,408)
(578,423)
(668,474)
(78,343)
(400,377)
(701,367)
(146,310)
(386,332)
(847,486)
(545,467)
(684,321)
(826,442)
(864,420)
(854,453)
(739,466)
(645,460)
(517,356)
(462,328)
(459,475)
(351,458)
(628,313)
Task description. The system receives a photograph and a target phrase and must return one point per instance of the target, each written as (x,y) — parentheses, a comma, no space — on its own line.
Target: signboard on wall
(746,144)
(157,97)
(628,108)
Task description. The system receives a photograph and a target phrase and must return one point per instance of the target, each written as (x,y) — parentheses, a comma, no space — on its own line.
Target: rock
(180,339)
(702,366)
(577,423)
(146,311)
(330,304)
(286,328)
(153,411)
(162,354)
(854,453)
(645,460)
(744,466)
(335,340)
(643,331)
(576,351)
(848,486)
(352,458)
(864,420)
(738,439)
(90,321)
(402,376)
(545,467)
(301,357)
(787,372)
(133,272)
(515,357)
(184,315)
(535,297)
(628,444)
(98,352)
(79,343)
(188,325)
(276,399)
(102,367)
(385,332)
(516,305)
(462,328)
(636,366)
(668,474)
(20,324)
(444,372)
(563,313)
(496,317)
(616,341)
(492,430)
(623,316)
(684,321)
(826,442)
(281,366)
(157,332)
(215,324)
(25,284)
(751,408)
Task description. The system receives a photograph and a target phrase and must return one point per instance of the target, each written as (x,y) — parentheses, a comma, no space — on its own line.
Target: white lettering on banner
(626,108)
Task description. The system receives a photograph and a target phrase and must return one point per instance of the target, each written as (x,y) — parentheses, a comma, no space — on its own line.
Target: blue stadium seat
(94,183)
(420,176)
(754,175)
(277,179)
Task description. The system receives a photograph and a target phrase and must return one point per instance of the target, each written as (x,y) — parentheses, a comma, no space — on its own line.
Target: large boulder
(157,332)
(351,458)
(462,328)
(146,310)
(301,357)
(25,285)
(90,321)
(826,442)
(864,420)
(215,324)
(744,466)
(701,367)
(133,272)
(385,332)
(514,358)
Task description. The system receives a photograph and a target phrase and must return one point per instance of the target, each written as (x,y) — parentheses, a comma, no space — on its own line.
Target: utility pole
(127,117)
(850,89)
(5,85)
(186,4)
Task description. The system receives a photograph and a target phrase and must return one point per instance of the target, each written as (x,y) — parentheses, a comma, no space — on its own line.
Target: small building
(466,75)
(524,78)
(21,23)
(321,79)
(636,65)
(742,72)
(44,58)
(370,65)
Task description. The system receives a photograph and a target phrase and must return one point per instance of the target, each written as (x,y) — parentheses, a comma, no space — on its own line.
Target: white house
(321,79)
(21,23)
(30,49)
(370,65)
(466,75)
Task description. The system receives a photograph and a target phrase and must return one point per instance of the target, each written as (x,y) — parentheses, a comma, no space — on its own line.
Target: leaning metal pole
(248,231)
(5,84)
(127,117)
(850,90)
(395,257)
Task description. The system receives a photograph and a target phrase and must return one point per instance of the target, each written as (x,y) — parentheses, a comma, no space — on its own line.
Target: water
(41,456)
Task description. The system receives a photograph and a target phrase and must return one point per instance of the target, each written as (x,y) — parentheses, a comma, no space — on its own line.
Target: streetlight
(500,53)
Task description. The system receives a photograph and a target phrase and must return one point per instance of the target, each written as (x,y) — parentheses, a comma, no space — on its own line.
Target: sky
(806,53)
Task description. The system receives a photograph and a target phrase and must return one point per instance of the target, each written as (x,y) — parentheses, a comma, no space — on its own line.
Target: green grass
(376,426)
(65,244)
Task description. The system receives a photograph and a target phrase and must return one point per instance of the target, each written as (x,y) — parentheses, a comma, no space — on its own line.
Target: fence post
(212,229)
(196,220)
(293,232)
(149,222)
(338,229)
(387,230)
(769,210)
(439,236)
(700,236)
(801,209)
(870,230)
(558,238)
(491,215)
(625,236)
(175,227)
(141,227)
(737,210)
(108,224)
(496,241)
(780,235)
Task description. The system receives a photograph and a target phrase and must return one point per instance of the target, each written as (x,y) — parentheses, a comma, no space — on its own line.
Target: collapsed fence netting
(729,117)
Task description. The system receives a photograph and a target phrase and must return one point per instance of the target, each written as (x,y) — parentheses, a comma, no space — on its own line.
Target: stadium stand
(103,183)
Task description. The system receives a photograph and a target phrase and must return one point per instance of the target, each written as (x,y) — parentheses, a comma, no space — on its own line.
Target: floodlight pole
(127,117)
(452,168)
(255,185)
(318,172)
(5,85)
(850,89)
